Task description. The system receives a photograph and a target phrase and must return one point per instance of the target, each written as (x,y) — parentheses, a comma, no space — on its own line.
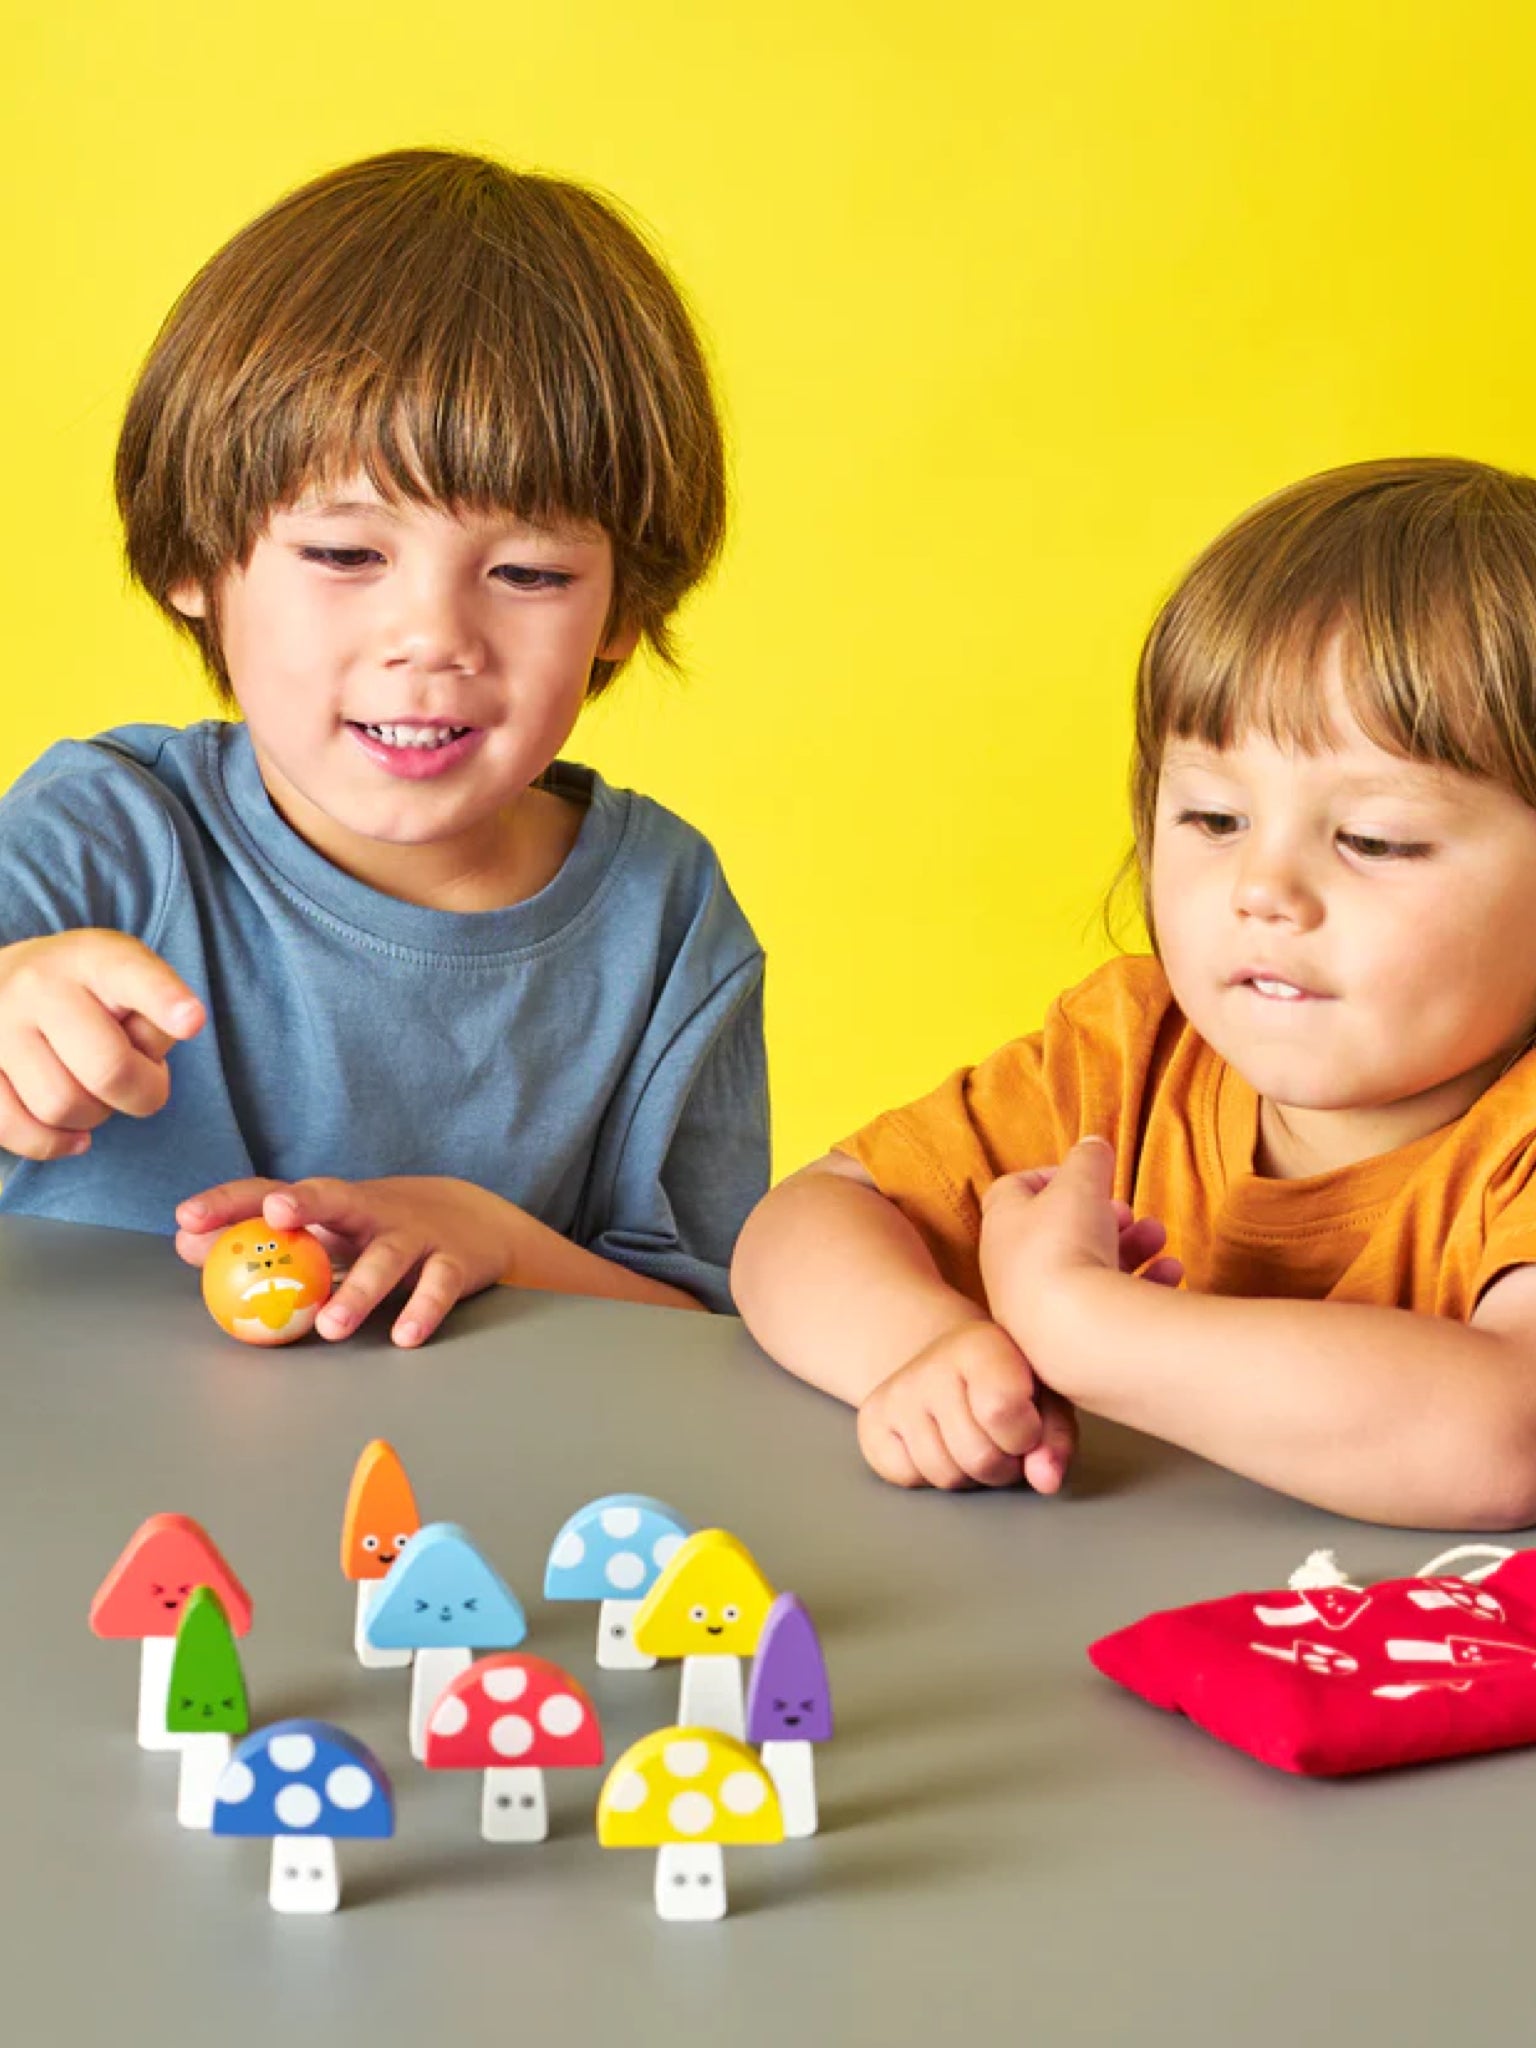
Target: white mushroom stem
(616,1638)
(434,1670)
(368,1591)
(711,1696)
(304,1875)
(792,1767)
(514,1808)
(203,1758)
(690,1881)
(156,1655)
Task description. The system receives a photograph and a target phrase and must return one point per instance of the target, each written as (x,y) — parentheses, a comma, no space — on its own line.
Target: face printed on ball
(266,1286)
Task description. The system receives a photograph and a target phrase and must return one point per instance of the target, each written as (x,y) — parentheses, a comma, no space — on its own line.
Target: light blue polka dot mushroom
(305,1785)
(614,1550)
(444,1601)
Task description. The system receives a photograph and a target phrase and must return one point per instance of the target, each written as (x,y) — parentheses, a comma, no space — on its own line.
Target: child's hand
(451,1236)
(86,1020)
(1041,1228)
(968,1411)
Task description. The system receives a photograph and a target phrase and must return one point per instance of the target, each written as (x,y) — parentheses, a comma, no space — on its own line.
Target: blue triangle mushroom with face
(442,1595)
(615,1548)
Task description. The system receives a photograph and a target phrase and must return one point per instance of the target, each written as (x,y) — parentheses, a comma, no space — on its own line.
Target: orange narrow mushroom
(380,1519)
(143,1596)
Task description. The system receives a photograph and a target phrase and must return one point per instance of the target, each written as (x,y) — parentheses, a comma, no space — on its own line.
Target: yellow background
(1012,304)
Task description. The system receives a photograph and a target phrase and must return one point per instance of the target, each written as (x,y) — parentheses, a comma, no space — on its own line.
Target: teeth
(1284,989)
(415,735)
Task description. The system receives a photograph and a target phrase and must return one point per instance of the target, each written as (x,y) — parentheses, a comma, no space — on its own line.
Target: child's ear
(620,643)
(189,599)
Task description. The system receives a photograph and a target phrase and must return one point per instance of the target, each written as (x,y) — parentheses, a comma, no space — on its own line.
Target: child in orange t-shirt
(1318,1091)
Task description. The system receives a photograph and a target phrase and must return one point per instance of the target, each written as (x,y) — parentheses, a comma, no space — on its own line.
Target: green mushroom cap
(207,1689)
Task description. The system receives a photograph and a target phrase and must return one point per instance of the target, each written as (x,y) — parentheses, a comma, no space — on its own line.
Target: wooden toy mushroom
(688,1793)
(266,1286)
(613,1550)
(206,1705)
(708,1607)
(143,1595)
(442,1600)
(513,1716)
(789,1707)
(306,1785)
(380,1519)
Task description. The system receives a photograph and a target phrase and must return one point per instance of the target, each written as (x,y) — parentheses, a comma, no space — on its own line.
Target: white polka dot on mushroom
(292,1752)
(743,1792)
(620,1522)
(450,1716)
(561,1714)
(505,1682)
(686,1759)
(627,1792)
(349,1787)
(236,1785)
(625,1569)
(664,1549)
(511,1735)
(568,1552)
(691,1813)
(297,1806)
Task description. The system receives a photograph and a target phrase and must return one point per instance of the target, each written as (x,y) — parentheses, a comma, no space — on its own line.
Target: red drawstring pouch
(1327,1678)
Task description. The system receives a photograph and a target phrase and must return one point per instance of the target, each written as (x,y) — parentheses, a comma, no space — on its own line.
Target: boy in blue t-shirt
(418,459)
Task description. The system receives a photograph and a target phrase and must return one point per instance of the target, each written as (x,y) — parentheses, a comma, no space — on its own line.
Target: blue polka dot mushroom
(789,1707)
(445,1602)
(614,1550)
(305,1785)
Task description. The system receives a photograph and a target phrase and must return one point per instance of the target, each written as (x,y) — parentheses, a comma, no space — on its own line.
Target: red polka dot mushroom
(514,1717)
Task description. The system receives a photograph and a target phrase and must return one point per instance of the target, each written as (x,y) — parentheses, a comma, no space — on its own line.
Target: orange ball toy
(265,1286)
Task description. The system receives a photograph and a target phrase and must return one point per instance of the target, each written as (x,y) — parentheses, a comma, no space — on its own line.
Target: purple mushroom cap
(789,1699)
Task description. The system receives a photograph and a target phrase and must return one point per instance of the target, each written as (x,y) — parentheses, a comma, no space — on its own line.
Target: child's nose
(1272,883)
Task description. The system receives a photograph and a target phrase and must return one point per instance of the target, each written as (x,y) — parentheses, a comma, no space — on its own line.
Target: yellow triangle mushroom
(708,1607)
(688,1793)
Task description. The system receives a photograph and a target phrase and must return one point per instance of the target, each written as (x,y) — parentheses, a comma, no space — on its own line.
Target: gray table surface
(1010,1843)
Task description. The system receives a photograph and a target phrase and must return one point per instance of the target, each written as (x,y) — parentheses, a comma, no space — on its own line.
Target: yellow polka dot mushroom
(708,1607)
(688,1793)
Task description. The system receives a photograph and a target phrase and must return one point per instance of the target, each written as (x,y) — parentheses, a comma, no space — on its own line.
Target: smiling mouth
(417,738)
(276,1283)
(712,1630)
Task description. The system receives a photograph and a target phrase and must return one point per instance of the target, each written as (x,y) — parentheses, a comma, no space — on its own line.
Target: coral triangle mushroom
(307,1785)
(143,1595)
(789,1706)
(613,1550)
(266,1286)
(443,1601)
(514,1717)
(708,1607)
(379,1520)
(206,1704)
(688,1793)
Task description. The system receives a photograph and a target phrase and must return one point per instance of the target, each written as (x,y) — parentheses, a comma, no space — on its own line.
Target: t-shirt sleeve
(84,840)
(694,1158)
(1509,1208)
(936,1157)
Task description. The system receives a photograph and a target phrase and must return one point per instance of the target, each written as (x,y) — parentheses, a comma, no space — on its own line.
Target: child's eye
(1369,847)
(340,558)
(1213,824)
(521,578)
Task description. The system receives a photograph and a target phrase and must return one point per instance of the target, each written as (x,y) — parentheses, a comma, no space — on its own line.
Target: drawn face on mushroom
(789,1699)
(147,1589)
(711,1601)
(381,1514)
(207,1688)
(441,1595)
(265,1286)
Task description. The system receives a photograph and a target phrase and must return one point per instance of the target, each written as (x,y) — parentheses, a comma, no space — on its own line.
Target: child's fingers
(100,1055)
(232,1201)
(383,1265)
(1003,1402)
(125,975)
(22,1134)
(45,1087)
(978,1458)
(933,1458)
(886,1454)
(341,1206)
(1045,1468)
(439,1287)
(1140,1241)
(1165,1272)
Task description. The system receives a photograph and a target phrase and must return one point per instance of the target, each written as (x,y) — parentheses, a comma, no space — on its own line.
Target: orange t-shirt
(1425,1227)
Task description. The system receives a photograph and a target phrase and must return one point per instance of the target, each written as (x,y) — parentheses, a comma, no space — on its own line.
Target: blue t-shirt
(594,1054)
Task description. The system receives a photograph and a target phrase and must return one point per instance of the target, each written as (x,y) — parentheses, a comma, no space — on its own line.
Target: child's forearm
(836,1284)
(1376,1412)
(541,1258)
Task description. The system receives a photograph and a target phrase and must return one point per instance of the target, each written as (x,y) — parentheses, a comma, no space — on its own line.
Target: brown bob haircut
(471,337)
(1423,569)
